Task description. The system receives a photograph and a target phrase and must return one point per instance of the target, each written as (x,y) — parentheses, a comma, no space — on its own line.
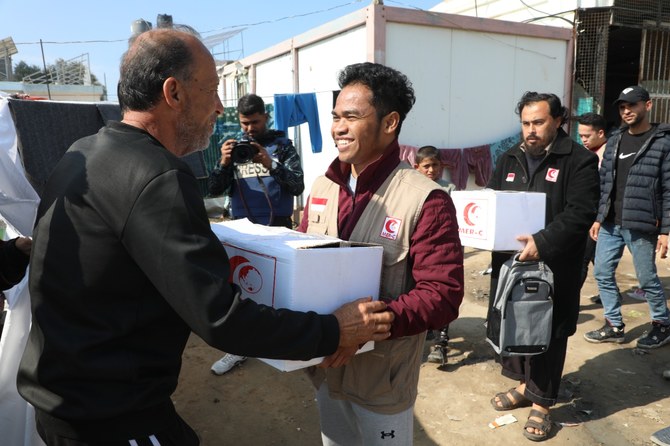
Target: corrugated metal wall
(641,13)
(655,71)
(593,27)
(591,59)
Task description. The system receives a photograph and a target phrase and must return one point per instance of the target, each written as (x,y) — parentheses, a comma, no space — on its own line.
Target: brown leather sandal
(543,426)
(507,403)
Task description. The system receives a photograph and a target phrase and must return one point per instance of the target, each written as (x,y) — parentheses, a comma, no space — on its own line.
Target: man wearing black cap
(634,212)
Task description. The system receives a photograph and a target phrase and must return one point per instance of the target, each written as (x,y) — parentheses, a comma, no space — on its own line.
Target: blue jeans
(611,241)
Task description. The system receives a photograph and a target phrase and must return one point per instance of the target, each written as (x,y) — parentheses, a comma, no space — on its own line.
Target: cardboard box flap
(244,231)
(341,244)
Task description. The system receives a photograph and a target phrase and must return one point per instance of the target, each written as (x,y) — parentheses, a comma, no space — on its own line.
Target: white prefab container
(491,220)
(281,268)
(455,63)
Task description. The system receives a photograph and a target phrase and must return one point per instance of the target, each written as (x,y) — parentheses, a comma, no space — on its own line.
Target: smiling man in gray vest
(368,195)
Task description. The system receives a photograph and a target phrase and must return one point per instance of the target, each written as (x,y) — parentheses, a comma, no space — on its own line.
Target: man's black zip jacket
(124,266)
(568,175)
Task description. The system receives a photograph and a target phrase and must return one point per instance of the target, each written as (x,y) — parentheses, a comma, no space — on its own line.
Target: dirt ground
(610,395)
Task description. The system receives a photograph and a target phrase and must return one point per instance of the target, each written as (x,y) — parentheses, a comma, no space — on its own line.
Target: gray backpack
(519,322)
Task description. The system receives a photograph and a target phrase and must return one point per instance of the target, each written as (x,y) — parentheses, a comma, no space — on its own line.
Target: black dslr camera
(243,152)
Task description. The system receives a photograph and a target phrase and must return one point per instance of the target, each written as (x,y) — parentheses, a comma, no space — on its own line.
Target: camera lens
(243,153)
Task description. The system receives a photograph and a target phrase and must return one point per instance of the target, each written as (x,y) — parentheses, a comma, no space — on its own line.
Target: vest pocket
(394,270)
(384,376)
(317,223)
(368,377)
(393,252)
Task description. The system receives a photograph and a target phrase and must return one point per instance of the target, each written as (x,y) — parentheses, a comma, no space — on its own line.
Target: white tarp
(18,200)
(18,207)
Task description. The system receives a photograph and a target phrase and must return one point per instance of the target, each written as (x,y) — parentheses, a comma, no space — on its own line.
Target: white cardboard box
(491,220)
(306,272)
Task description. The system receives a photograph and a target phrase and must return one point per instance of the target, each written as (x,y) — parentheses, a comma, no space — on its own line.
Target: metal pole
(44,64)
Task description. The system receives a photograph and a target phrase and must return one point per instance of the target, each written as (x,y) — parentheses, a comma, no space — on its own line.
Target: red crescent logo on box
(248,277)
(470,214)
(510,177)
(552,175)
(391,228)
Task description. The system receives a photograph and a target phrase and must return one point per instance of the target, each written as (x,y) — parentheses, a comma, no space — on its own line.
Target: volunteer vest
(383,380)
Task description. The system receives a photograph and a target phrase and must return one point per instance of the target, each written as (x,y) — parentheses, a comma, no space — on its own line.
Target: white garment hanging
(18,208)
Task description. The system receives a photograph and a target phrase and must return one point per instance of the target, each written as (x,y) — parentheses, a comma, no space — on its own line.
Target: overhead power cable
(247,25)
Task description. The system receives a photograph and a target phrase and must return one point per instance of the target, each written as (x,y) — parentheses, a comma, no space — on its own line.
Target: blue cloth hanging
(296,109)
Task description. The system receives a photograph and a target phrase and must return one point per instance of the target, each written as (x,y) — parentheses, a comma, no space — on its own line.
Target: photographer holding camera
(261,171)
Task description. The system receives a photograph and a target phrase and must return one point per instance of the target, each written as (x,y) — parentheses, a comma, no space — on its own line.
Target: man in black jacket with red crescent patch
(548,161)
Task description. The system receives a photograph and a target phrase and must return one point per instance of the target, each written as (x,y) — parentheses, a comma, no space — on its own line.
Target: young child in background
(428,162)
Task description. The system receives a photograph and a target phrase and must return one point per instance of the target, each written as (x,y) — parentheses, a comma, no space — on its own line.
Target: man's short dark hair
(250,104)
(154,56)
(391,90)
(426,152)
(595,120)
(556,110)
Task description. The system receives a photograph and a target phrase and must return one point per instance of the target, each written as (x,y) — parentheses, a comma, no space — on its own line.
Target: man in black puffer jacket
(634,212)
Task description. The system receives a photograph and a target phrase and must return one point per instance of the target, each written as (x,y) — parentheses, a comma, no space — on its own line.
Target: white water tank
(139,26)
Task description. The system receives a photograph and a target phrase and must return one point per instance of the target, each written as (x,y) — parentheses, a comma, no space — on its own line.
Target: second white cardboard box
(491,220)
(281,268)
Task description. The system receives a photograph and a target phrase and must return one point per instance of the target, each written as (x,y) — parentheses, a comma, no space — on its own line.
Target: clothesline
(270,99)
(479,160)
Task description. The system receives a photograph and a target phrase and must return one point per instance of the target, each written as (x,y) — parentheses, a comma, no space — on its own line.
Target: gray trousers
(347,424)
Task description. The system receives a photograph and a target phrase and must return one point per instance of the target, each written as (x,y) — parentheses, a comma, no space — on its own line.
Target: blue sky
(70,29)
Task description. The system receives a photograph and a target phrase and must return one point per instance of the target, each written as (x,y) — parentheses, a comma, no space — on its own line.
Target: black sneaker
(658,336)
(607,333)
(439,352)
(438,355)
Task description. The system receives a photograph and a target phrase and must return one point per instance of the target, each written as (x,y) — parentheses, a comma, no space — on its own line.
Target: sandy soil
(611,394)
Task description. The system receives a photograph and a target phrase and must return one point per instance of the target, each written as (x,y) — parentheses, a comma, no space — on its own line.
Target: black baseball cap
(632,95)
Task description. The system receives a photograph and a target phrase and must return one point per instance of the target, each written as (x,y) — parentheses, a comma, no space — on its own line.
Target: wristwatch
(274,165)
